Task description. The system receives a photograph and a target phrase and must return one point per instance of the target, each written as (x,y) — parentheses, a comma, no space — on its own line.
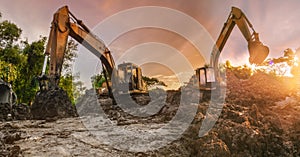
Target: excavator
(208,78)
(8,98)
(126,79)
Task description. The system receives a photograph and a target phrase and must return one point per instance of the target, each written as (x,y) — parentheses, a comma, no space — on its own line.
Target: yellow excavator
(126,79)
(208,78)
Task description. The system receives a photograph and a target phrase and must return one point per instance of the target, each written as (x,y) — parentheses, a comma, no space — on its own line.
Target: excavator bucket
(258,52)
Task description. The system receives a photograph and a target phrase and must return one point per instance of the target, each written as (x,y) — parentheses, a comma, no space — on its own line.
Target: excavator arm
(257,51)
(65,24)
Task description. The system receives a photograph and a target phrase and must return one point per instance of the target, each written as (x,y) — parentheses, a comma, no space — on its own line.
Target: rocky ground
(260,117)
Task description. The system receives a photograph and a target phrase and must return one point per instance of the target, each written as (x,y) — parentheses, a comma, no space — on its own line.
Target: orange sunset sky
(276,21)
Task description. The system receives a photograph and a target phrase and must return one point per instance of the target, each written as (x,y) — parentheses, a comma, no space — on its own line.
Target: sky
(276,21)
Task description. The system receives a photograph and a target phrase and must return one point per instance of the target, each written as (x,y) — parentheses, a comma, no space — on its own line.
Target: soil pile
(251,122)
(52,104)
(260,88)
(21,112)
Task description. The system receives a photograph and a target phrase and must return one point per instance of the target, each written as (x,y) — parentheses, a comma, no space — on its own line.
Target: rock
(15,151)
(21,112)
(5,110)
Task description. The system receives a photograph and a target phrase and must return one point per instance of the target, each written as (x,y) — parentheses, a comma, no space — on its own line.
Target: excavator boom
(61,28)
(257,51)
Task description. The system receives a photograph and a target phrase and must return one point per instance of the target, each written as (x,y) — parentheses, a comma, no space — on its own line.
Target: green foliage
(241,72)
(26,84)
(21,65)
(153,81)
(98,80)
(11,55)
(70,55)
(72,86)
(9,33)
(8,71)
(206,65)
(68,81)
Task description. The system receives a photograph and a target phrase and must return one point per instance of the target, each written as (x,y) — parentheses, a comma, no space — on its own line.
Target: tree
(20,65)
(70,55)
(10,55)
(228,64)
(9,33)
(153,81)
(98,80)
(26,84)
(68,81)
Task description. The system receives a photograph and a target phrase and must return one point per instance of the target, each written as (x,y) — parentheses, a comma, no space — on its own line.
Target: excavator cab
(130,78)
(206,77)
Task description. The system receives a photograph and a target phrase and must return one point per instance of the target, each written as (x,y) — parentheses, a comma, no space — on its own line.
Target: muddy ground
(260,117)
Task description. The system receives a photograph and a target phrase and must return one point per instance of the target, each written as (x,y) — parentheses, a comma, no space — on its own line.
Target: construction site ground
(260,117)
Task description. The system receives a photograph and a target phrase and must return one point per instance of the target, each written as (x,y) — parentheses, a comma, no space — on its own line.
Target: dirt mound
(260,88)
(250,123)
(52,104)
(162,108)
(239,131)
(14,112)
(21,112)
